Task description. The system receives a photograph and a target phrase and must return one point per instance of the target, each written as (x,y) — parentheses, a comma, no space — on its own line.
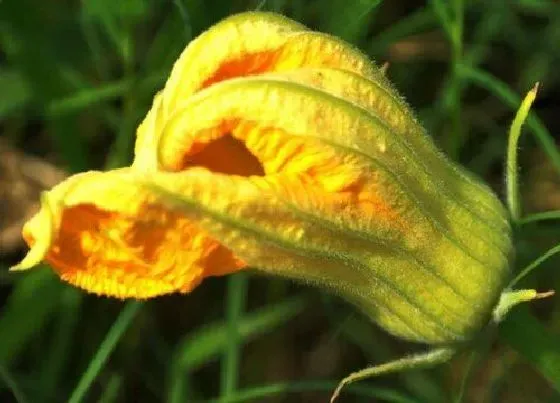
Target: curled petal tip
(39,232)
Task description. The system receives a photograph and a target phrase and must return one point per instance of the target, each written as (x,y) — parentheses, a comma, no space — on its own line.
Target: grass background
(76,77)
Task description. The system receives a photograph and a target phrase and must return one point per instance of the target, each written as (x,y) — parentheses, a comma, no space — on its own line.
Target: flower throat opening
(226,155)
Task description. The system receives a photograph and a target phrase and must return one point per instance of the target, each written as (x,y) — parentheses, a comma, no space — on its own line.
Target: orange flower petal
(258,43)
(112,237)
(244,45)
(286,51)
(227,43)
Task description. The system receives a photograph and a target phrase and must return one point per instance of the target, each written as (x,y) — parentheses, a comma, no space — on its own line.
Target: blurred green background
(76,78)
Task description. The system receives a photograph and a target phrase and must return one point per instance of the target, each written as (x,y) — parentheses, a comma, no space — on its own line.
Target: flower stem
(512,182)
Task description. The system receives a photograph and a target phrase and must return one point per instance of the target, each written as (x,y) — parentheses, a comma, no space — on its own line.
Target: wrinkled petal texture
(114,238)
(348,176)
(287,150)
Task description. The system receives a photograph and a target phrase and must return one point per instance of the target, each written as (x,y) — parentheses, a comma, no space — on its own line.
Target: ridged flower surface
(285,150)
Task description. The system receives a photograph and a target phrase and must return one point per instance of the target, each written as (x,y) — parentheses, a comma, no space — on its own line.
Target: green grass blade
(56,355)
(22,316)
(509,97)
(451,17)
(87,97)
(544,216)
(94,43)
(377,349)
(419,21)
(208,342)
(204,13)
(443,12)
(8,380)
(276,6)
(465,378)
(235,306)
(115,18)
(111,392)
(532,340)
(108,345)
(166,45)
(533,265)
(272,390)
(99,12)
(359,331)
(185,18)
(348,19)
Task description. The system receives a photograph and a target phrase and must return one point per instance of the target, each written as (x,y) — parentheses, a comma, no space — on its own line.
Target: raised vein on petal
(383,103)
(324,117)
(320,115)
(256,43)
(249,208)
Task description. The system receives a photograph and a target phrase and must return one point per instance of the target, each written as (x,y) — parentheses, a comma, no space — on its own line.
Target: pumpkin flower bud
(287,150)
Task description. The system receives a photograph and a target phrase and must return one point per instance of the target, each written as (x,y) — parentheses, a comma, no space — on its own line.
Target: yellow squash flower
(287,150)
